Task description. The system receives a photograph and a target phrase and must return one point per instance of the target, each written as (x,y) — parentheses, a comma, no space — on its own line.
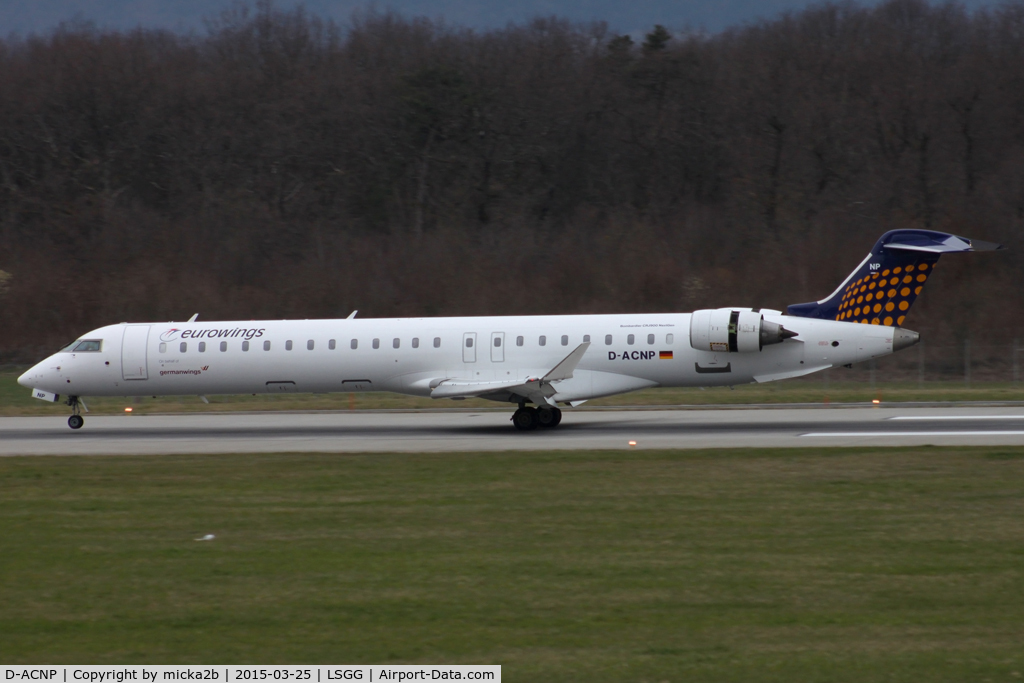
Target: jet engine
(734,331)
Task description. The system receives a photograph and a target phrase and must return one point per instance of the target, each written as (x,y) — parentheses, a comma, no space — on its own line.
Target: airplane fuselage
(414,355)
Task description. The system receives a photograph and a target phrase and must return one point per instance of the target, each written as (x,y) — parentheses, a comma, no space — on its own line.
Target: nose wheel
(76,420)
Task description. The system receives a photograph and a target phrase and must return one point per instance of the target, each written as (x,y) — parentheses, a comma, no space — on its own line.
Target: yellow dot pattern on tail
(883,287)
(860,304)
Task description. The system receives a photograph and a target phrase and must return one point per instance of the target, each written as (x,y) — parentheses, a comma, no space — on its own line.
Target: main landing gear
(76,420)
(527,419)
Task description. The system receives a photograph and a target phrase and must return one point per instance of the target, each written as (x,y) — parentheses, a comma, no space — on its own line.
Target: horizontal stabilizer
(938,243)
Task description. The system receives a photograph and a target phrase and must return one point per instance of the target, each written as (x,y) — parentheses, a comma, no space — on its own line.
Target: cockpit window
(88,345)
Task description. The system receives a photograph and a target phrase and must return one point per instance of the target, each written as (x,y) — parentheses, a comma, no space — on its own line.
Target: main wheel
(525,419)
(548,417)
(76,421)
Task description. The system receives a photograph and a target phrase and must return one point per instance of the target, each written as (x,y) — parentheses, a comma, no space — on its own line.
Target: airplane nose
(30,379)
(26,380)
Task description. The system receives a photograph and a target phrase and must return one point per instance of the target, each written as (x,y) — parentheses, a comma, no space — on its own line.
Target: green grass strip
(771,565)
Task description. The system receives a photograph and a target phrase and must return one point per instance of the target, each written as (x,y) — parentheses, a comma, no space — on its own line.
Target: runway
(366,431)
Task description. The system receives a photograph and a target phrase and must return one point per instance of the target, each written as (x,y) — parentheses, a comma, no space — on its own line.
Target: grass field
(802,565)
(15,399)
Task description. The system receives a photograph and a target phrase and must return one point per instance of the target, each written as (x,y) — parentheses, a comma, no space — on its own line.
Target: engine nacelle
(733,330)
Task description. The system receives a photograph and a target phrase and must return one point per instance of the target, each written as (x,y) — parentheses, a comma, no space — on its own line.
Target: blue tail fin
(884,286)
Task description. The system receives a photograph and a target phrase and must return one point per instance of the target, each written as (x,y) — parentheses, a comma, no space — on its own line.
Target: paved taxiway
(364,431)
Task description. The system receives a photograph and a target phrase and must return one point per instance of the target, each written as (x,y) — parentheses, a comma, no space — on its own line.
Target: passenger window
(630,339)
(332,344)
(586,337)
(287,345)
(519,341)
(650,339)
(266,345)
(497,341)
(183,347)
(88,346)
(202,347)
(469,342)
(309,345)
(245,346)
(565,340)
(163,347)
(437,342)
(415,342)
(668,338)
(223,346)
(543,340)
(355,344)
(608,340)
(396,343)
(376,343)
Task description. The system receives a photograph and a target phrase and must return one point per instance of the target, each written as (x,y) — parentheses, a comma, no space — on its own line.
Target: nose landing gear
(76,420)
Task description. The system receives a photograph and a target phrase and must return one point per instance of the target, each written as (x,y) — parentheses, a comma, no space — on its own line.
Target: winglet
(193,318)
(564,369)
(352,314)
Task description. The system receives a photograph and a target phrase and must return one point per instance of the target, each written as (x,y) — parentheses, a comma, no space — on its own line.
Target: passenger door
(469,347)
(497,347)
(133,352)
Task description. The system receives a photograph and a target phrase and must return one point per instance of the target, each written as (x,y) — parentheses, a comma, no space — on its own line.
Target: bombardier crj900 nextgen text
(537,362)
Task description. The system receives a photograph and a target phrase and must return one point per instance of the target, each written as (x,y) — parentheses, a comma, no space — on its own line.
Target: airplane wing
(536,389)
(457,388)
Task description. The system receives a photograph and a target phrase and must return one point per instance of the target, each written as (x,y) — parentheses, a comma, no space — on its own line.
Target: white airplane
(540,360)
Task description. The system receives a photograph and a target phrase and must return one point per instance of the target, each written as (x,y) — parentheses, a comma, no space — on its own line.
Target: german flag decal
(665,355)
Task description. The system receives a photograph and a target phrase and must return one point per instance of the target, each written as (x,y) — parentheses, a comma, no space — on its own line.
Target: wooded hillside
(279,166)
